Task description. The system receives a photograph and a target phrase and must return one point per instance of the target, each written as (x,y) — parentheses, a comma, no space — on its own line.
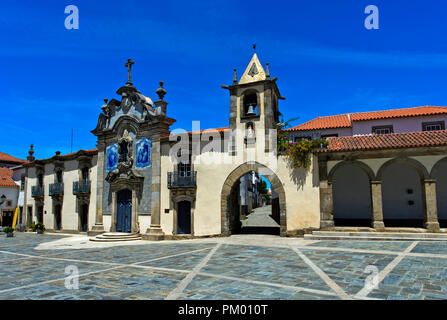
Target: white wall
(397,178)
(441,190)
(351,193)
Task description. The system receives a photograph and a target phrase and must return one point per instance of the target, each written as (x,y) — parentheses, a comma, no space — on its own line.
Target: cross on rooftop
(128,65)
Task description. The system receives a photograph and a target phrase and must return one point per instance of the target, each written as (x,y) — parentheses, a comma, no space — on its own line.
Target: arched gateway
(230,182)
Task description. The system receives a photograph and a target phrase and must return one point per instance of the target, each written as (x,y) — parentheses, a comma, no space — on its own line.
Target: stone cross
(128,65)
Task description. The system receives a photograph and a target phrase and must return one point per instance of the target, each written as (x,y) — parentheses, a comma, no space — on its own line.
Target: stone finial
(267,71)
(161,91)
(235,77)
(58,153)
(30,158)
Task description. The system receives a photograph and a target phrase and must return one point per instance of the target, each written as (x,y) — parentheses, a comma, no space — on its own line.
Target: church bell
(251,111)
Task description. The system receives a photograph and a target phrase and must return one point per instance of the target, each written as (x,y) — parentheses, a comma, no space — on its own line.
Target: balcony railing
(56,189)
(81,187)
(182,180)
(37,191)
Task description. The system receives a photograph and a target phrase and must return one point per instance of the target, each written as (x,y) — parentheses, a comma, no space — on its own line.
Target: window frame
(433,123)
(375,128)
(331,135)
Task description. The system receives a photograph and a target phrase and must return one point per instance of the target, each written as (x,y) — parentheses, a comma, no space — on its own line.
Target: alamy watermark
(72,20)
(72,280)
(372,20)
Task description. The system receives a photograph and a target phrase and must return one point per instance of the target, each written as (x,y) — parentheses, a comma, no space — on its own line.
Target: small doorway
(29,218)
(39,214)
(83,219)
(184,217)
(57,217)
(124,212)
(7,217)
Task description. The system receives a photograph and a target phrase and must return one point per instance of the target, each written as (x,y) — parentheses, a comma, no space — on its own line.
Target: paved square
(239,267)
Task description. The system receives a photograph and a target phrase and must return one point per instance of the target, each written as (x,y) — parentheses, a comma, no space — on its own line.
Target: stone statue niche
(125,159)
(250,136)
(125,144)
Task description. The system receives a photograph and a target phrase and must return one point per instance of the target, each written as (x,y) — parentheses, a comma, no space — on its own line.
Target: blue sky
(55,79)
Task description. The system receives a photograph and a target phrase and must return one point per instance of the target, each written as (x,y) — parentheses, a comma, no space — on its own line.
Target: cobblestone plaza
(239,267)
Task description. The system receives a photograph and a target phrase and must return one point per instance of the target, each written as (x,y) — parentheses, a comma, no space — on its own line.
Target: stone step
(347,238)
(397,235)
(116,236)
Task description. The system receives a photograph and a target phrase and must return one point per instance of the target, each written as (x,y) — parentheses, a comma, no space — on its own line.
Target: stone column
(114,211)
(134,212)
(326,206)
(377,208)
(99,227)
(431,211)
(326,200)
(154,232)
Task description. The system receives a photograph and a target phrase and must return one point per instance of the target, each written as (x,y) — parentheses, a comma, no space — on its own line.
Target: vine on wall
(299,152)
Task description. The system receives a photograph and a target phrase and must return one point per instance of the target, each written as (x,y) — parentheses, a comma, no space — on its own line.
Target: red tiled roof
(398,113)
(219,130)
(345,120)
(9,158)
(339,121)
(387,141)
(61,157)
(6,178)
(222,129)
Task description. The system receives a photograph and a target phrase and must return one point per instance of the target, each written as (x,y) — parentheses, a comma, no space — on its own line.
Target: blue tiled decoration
(112,157)
(143,153)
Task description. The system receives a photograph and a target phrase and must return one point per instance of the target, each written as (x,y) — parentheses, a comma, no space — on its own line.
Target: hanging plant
(300,152)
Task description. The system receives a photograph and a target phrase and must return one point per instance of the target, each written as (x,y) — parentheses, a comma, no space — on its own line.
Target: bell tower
(253,106)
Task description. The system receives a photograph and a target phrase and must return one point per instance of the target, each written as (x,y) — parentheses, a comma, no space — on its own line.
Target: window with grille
(382,130)
(433,126)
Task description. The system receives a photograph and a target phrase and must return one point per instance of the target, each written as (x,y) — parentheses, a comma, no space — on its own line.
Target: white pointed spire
(254,72)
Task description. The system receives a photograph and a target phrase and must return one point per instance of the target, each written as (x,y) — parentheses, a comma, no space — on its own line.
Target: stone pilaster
(99,226)
(431,211)
(326,197)
(154,232)
(377,208)
(326,206)
(134,227)
(114,212)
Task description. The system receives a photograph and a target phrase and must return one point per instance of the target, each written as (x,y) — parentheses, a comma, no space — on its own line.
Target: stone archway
(439,176)
(359,164)
(351,192)
(403,192)
(232,179)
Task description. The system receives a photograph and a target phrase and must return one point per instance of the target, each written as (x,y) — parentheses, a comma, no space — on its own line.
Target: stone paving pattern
(222,269)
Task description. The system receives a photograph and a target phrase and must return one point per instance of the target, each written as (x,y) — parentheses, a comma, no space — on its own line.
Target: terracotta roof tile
(219,130)
(6,178)
(387,141)
(345,120)
(68,155)
(399,113)
(339,121)
(9,158)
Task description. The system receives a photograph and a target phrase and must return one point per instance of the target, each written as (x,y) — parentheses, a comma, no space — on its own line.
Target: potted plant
(40,228)
(9,232)
(32,226)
